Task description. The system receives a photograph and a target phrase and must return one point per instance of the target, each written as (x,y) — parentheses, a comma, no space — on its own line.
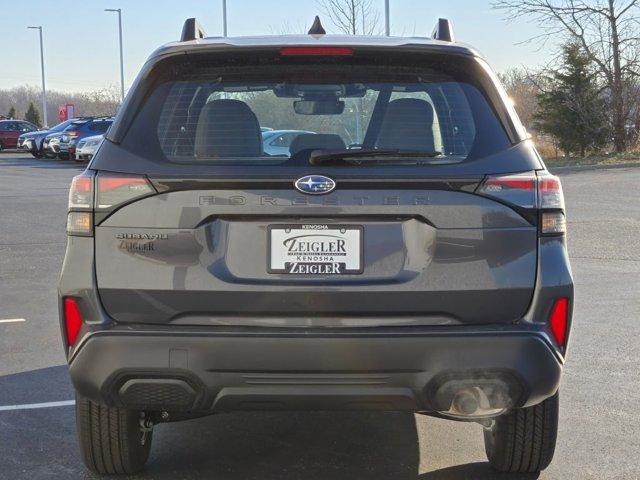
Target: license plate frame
(316,264)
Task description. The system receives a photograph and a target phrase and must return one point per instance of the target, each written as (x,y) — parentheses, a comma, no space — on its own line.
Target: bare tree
(352,17)
(98,102)
(609,33)
(523,88)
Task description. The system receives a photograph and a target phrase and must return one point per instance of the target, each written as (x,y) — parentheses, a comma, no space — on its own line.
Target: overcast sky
(81,40)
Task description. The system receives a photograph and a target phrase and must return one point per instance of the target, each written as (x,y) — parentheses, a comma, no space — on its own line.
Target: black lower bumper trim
(208,373)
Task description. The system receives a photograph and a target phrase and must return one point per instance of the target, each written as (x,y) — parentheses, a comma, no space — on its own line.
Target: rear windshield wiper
(323,157)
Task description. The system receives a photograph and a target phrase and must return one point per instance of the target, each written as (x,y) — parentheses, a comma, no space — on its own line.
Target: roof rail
(192,30)
(443,31)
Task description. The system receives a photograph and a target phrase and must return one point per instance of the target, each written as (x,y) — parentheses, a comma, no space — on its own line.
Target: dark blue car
(79,129)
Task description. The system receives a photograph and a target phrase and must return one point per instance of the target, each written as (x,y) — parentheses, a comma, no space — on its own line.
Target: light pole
(387,22)
(119,12)
(44,90)
(224,17)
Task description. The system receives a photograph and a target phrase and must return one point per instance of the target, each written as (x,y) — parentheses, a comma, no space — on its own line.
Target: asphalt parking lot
(599,431)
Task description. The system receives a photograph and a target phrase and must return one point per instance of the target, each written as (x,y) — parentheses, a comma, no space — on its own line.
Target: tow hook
(146,427)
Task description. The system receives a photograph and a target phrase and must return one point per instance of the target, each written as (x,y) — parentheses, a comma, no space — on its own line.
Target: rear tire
(110,438)
(523,440)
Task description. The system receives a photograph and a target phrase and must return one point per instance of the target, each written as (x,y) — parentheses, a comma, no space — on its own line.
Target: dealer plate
(315,249)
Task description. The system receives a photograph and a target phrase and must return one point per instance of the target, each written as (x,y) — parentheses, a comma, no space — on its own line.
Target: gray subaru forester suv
(409,256)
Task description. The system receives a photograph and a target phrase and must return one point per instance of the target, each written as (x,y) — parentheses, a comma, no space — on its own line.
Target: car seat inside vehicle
(407,125)
(227,128)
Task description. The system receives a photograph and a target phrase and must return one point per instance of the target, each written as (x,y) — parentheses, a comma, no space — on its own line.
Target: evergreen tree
(12,113)
(572,109)
(33,115)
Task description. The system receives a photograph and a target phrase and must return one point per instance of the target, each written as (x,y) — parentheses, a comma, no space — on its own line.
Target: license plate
(315,249)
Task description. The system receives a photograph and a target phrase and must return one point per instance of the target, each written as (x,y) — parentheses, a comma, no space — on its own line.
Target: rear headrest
(316,141)
(227,128)
(407,125)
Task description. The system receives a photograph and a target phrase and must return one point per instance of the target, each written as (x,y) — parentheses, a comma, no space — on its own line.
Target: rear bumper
(208,371)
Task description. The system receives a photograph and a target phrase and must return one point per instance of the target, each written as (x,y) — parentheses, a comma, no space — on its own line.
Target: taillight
(80,217)
(115,189)
(530,190)
(111,190)
(316,51)
(81,191)
(72,320)
(559,321)
(518,189)
(550,192)
(551,204)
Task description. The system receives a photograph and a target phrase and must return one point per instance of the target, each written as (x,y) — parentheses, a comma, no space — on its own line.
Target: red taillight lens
(518,189)
(106,183)
(316,51)
(539,190)
(115,189)
(79,218)
(81,192)
(550,192)
(551,205)
(72,320)
(558,320)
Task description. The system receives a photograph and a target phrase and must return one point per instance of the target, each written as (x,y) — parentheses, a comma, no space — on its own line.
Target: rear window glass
(61,126)
(420,116)
(76,124)
(100,127)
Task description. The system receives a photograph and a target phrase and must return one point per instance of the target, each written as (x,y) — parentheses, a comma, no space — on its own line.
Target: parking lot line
(31,406)
(13,320)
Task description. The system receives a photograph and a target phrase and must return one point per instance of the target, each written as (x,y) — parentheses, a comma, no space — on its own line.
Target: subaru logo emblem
(315,184)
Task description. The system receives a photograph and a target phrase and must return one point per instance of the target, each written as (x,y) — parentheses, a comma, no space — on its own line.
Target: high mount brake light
(530,190)
(316,51)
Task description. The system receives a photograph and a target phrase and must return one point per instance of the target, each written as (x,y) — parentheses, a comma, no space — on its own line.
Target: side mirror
(318,107)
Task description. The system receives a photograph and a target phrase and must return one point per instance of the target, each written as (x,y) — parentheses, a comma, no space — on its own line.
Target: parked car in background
(86,148)
(79,129)
(10,131)
(51,145)
(277,142)
(33,142)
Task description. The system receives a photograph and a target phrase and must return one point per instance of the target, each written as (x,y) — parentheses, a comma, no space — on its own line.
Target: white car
(87,147)
(277,142)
